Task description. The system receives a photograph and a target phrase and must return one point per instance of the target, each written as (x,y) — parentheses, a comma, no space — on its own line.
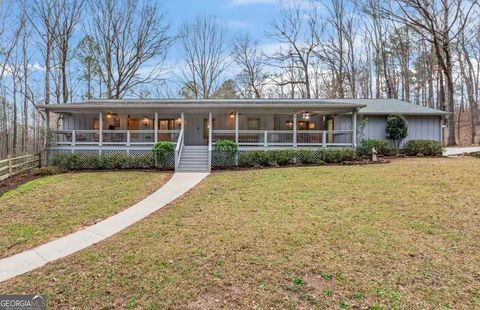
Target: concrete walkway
(29,260)
(451,151)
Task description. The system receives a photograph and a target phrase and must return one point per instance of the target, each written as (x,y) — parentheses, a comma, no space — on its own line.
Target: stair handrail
(179,148)
(210,146)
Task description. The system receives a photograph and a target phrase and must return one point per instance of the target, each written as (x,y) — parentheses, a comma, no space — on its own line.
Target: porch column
(182,124)
(209,128)
(210,141)
(100,129)
(354,133)
(236,127)
(155,128)
(295,130)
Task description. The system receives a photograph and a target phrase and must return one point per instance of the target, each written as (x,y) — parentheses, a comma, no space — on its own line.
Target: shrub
(396,130)
(70,161)
(165,146)
(281,157)
(310,157)
(425,147)
(224,153)
(48,170)
(164,152)
(253,158)
(226,145)
(339,155)
(289,157)
(382,146)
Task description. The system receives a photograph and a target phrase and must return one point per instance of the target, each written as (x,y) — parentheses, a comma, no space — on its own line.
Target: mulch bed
(15,181)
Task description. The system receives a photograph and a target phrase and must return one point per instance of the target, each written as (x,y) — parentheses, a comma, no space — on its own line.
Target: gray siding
(423,127)
(374,128)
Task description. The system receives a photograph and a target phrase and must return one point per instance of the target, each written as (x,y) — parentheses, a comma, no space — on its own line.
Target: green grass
(50,207)
(398,236)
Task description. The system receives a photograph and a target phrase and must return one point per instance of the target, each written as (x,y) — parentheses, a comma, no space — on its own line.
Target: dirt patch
(15,181)
(318,284)
(216,299)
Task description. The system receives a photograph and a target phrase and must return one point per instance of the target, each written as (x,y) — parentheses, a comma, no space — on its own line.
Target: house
(134,126)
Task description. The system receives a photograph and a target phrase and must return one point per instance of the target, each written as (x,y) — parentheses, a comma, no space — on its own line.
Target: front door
(195,129)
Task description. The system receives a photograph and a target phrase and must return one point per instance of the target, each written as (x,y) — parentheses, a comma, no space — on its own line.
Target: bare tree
(440,24)
(133,40)
(296,27)
(338,51)
(251,60)
(10,33)
(44,19)
(69,13)
(203,43)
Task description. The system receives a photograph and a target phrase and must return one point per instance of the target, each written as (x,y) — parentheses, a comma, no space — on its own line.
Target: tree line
(61,51)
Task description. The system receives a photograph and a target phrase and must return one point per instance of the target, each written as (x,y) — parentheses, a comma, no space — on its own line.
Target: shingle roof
(391,106)
(365,106)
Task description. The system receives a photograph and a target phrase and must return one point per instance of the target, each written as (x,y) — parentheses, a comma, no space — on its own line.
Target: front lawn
(404,235)
(50,207)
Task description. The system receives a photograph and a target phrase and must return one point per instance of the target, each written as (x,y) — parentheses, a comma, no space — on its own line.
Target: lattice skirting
(85,159)
(253,158)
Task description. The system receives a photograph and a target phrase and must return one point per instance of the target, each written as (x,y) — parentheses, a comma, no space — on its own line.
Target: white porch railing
(111,137)
(266,138)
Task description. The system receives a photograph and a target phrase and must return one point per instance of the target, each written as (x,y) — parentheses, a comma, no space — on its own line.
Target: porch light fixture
(145,121)
(109,115)
(289,124)
(306,115)
(179,120)
(232,115)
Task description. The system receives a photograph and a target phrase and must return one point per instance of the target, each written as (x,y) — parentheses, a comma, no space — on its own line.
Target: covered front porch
(133,127)
(248,130)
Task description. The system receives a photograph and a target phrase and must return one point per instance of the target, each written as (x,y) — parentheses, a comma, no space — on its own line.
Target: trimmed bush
(225,153)
(310,157)
(48,170)
(149,160)
(290,157)
(165,146)
(226,145)
(253,158)
(425,147)
(164,154)
(339,155)
(382,146)
(281,157)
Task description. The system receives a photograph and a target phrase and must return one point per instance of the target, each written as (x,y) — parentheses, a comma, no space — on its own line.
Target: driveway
(451,151)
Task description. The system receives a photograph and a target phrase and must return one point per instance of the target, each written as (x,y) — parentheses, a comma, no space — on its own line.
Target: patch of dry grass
(403,235)
(50,207)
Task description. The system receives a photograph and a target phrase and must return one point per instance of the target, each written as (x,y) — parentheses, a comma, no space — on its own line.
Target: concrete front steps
(194,158)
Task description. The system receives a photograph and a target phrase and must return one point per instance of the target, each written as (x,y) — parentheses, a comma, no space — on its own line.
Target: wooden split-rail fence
(16,165)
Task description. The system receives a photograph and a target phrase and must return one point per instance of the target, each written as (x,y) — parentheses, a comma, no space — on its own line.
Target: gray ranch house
(194,126)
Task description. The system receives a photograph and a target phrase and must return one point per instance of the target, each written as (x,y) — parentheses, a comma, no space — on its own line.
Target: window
(253,124)
(166,124)
(302,125)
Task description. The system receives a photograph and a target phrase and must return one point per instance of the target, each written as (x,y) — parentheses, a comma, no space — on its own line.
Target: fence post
(10,168)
